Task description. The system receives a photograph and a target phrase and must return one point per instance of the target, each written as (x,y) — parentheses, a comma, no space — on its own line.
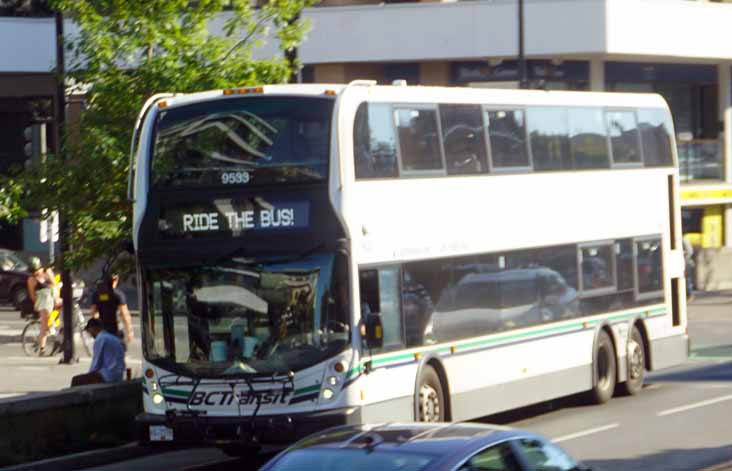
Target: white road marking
(583,433)
(708,402)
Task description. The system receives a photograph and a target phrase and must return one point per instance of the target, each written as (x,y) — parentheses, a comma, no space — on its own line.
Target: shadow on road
(715,372)
(667,460)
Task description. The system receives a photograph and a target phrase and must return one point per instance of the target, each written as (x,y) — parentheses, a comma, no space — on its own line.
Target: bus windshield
(243,316)
(242,141)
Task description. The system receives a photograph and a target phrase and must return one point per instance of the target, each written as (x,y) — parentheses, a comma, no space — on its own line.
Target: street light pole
(523,80)
(68,322)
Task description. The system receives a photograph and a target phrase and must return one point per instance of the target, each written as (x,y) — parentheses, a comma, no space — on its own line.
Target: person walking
(107,301)
(689,268)
(108,357)
(41,284)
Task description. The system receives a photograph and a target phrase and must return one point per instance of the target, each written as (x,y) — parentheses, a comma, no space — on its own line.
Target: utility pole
(523,79)
(62,223)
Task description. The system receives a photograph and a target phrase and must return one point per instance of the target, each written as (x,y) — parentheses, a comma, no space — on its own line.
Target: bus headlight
(328,394)
(333,380)
(157,399)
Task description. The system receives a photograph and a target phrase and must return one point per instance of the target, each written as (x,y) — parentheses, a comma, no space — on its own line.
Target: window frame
(492,168)
(403,173)
(636,280)
(639,143)
(583,292)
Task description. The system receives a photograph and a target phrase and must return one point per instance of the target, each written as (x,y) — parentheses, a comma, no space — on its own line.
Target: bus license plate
(161,433)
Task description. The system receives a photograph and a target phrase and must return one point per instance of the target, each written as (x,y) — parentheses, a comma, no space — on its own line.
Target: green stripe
(650,312)
(309,389)
(174,392)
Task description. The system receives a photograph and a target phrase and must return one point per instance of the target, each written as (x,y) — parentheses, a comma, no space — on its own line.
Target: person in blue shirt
(108,357)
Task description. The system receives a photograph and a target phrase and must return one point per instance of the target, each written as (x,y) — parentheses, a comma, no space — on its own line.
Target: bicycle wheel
(29,338)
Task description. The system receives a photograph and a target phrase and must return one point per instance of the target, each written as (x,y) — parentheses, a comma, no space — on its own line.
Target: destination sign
(233,217)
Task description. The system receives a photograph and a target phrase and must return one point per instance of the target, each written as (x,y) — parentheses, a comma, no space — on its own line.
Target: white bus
(312,255)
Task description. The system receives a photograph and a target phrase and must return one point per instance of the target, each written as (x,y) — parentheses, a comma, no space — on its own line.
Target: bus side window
(379,292)
(374,142)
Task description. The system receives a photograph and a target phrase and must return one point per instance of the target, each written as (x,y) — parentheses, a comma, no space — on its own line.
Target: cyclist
(41,284)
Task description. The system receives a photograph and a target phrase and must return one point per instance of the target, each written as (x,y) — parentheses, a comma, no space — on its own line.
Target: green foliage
(127,50)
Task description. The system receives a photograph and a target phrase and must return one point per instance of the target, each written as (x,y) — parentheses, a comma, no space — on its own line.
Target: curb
(88,459)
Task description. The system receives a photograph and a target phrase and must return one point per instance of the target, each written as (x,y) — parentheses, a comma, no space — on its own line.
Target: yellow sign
(706,194)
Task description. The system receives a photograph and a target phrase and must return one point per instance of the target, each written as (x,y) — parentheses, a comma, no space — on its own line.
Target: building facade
(678,48)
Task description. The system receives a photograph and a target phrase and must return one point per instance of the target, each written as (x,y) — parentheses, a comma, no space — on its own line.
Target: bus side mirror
(374,330)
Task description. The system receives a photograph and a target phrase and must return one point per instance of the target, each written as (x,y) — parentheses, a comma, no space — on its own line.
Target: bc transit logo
(227,398)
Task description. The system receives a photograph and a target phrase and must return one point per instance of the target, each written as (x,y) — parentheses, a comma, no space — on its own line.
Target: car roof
(426,438)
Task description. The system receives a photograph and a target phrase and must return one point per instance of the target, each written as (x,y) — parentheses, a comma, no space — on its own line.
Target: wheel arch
(433,360)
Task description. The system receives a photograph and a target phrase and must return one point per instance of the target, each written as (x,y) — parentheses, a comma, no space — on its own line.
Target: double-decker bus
(311,255)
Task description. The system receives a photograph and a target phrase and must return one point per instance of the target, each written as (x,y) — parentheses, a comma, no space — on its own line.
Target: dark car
(424,447)
(13,278)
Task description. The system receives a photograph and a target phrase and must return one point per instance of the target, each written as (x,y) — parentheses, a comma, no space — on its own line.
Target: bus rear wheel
(604,370)
(636,364)
(430,397)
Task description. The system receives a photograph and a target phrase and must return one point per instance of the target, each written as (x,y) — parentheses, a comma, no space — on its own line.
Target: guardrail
(44,425)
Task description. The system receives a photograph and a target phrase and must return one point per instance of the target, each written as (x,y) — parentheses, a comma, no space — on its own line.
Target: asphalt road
(680,421)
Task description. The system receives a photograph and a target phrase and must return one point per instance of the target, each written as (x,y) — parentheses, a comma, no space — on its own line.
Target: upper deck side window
(392,140)
(624,137)
(463,138)
(656,130)
(419,139)
(506,129)
(374,142)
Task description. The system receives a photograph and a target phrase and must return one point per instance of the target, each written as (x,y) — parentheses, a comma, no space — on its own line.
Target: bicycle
(55,337)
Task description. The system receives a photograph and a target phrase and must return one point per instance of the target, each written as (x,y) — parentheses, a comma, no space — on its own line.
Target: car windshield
(326,459)
(243,141)
(240,317)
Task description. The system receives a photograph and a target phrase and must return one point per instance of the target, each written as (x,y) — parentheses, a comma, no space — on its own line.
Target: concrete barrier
(714,269)
(44,425)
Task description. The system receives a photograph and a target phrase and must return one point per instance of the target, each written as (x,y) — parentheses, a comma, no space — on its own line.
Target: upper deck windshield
(243,141)
(241,317)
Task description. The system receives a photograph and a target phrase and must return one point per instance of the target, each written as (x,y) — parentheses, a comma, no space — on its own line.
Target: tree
(125,51)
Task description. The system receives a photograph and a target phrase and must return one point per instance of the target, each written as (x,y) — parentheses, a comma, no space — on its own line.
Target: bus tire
(431,403)
(636,358)
(604,370)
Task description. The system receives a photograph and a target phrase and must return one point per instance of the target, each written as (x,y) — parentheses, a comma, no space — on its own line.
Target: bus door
(388,386)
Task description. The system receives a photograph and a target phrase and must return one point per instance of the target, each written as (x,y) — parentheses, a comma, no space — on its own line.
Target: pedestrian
(107,301)
(108,357)
(41,284)
(689,268)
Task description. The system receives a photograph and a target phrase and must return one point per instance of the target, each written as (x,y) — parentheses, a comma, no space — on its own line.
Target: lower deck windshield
(270,316)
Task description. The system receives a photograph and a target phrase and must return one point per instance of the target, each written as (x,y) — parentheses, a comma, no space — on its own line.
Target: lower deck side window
(433,301)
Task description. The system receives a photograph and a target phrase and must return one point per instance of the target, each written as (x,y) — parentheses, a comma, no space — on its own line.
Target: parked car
(424,447)
(13,278)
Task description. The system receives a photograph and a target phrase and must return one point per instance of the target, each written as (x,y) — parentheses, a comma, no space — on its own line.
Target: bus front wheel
(604,370)
(430,397)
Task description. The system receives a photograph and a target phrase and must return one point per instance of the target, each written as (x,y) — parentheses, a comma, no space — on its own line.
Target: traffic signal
(34,136)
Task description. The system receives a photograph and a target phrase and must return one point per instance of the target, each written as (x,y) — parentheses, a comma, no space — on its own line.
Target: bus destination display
(232,217)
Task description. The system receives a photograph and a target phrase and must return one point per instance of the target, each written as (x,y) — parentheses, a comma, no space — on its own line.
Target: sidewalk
(21,374)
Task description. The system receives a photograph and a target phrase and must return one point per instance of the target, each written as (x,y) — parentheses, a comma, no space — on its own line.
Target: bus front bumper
(281,429)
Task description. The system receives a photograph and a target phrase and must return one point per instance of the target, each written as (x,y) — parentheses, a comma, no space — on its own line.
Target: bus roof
(429,94)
